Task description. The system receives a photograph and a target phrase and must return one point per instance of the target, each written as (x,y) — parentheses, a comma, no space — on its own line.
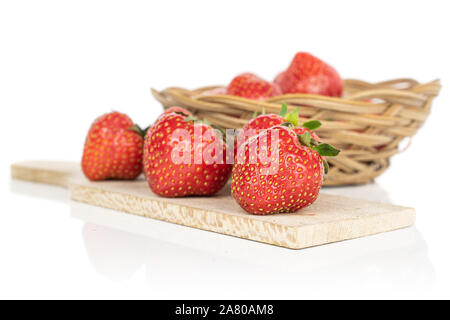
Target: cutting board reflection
(329,219)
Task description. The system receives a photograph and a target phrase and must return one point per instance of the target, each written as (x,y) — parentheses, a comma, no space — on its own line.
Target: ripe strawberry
(266,121)
(178,110)
(250,86)
(113,149)
(283,180)
(309,74)
(184,157)
(260,123)
(255,126)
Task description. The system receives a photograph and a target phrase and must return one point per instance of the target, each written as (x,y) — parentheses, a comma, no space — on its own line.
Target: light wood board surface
(329,219)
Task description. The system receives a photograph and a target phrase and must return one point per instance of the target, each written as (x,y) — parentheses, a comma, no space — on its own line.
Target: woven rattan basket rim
(368,123)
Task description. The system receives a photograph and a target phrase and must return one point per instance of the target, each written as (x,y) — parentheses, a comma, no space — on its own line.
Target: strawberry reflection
(177,259)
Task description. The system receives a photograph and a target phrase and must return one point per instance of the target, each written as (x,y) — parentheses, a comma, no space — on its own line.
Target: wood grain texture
(329,219)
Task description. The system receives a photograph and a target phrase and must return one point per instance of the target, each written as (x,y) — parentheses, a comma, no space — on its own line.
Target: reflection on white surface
(177,258)
(39,190)
(182,262)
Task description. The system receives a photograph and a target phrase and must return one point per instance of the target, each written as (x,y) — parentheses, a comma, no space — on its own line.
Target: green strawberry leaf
(191,118)
(255,114)
(312,125)
(293,117)
(305,138)
(326,166)
(326,150)
(284,110)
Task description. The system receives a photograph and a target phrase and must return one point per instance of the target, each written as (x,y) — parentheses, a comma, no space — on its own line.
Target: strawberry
(184,157)
(179,110)
(113,148)
(266,121)
(309,74)
(260,123)
(283,180)
(250,86)
(255,126)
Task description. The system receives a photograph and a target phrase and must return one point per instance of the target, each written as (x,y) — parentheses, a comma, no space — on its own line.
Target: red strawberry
(283,180)
(308,74)
(179,110)
(266,121)
(250,86)
(113,149)
(183,157)
(258,124)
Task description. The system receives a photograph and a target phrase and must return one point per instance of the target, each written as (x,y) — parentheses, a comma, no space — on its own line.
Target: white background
(63,63)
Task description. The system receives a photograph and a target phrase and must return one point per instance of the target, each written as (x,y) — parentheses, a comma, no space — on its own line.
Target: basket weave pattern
(367,123)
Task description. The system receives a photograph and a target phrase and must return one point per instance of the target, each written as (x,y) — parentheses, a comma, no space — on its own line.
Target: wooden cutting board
(330,219)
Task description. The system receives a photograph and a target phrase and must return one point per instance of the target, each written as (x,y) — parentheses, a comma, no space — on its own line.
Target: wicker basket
(367,124)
